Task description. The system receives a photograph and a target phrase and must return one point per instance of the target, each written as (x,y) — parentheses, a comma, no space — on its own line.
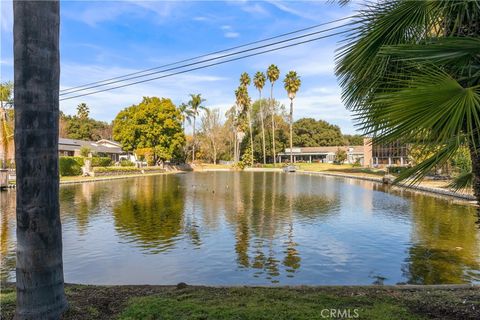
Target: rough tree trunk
(291,131)
(251,133)
(39,272)
(263,128)
(273,126)
(193,138)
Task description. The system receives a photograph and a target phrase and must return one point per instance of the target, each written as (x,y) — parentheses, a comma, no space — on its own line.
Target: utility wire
(205,66)
(74,89)
(202,61)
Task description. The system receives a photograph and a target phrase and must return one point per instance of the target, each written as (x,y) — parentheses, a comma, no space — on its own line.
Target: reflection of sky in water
(257,228)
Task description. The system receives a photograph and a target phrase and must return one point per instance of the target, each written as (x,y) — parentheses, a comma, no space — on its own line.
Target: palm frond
(464,181)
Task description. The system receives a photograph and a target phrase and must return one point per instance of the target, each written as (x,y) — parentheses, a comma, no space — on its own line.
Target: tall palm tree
(196,106)
(185,112)
(245,82)
(291,84)
(410,72)
(259,82)
(39,271)
(273,73)
(244,102)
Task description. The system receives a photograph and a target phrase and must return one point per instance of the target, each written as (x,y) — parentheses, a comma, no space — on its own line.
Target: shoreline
(418,188)
(183,301)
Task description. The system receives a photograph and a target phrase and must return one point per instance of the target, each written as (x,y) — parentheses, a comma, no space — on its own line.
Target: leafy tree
(39,266)
(353,139)
(82,127)
(340,156)
(410,69)
(196,106)
(291,84)
(83,111)
(154,123)
(213,131)
(259,82)
(308,132)
(85,151)
(273,73)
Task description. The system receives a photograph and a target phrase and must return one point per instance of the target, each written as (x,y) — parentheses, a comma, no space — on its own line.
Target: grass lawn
(190,302)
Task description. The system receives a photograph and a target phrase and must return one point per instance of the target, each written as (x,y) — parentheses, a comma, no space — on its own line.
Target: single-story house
(104,148)
(322,154)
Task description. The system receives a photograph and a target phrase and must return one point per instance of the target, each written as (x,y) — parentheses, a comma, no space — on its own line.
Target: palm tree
(6,130)
(39,271)
(410,72)
(259,82)
(185,112)
(195,104)
(244,102)
(273,73)
(245,82)
(292,84)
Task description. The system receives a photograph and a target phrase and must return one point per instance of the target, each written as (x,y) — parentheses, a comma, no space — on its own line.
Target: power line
(205,66)
(200,62)
(93,84)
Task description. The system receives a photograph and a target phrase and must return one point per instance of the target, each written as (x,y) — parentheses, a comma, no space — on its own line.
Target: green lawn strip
(170,302)
(261,303)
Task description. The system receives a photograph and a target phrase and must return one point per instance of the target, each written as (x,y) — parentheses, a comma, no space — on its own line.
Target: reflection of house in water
(104,148)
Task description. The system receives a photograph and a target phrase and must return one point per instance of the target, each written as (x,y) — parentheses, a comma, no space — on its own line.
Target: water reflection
(257,228)
(151,214)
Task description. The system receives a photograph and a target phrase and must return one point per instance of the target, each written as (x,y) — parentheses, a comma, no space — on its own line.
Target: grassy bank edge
(262,302)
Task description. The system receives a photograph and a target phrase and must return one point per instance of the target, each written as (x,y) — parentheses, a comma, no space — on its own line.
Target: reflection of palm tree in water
(292,258)
(191,223)
(242,236)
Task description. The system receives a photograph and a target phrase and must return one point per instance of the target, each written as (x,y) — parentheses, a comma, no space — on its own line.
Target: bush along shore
(195,302)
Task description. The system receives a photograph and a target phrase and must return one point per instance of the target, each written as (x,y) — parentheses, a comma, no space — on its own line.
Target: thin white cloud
(231,34)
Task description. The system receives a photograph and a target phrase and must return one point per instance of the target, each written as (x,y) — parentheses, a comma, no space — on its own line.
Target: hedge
(115,169)
(101,162)
(70,166)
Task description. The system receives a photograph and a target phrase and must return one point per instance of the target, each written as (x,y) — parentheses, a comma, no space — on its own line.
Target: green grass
(190,302)
(259,303)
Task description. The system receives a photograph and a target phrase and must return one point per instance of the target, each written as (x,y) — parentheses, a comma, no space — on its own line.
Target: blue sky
(109,38)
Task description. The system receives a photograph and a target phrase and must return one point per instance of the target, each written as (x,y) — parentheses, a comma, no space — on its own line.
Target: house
(322,154)
(103,148)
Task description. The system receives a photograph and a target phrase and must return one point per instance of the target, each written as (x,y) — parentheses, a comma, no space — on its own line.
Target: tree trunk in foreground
(39,272)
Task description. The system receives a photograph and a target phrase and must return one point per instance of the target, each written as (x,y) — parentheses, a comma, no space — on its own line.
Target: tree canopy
(154,123)
(308,132)
(82,127)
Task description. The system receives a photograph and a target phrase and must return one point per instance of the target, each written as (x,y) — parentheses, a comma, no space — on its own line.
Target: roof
(73,144)
(325,150)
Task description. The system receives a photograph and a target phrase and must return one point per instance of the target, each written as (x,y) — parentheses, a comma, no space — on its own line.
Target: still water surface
(222,228)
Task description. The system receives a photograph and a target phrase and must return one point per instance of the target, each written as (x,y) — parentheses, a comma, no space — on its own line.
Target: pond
(235,228)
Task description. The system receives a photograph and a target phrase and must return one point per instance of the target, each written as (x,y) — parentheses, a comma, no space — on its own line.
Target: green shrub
(101,162)
(115,169)
(126,163)
(397,169)
(70,166)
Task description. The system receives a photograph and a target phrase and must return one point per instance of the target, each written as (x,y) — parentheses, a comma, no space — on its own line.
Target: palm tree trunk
(39,272)
(193,144)
(475,156)
(273,126)
(263,128)
(291,131)
(251,133)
